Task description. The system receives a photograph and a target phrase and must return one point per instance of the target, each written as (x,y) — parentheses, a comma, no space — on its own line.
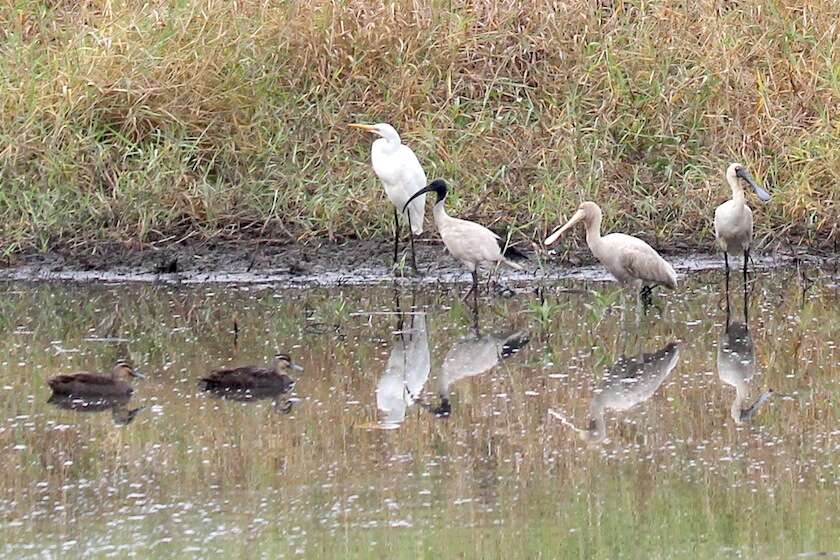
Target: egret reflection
(629,382)
(121,414)
(406,372)
(472,356)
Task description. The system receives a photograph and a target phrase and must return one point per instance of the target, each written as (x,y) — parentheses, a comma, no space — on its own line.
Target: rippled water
(564,428)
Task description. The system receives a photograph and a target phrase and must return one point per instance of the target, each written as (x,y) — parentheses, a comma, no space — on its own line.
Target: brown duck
(86,384)
(253,379)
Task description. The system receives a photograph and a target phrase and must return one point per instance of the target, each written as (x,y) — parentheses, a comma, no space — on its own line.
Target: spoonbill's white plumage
(736,367)
(629,259)
(733,218)
(469,242)
(628,383)
(401,175)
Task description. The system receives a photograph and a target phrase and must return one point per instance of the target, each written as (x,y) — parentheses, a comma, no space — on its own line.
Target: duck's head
(587,211)
(737,172)
(283,363)
(122,369)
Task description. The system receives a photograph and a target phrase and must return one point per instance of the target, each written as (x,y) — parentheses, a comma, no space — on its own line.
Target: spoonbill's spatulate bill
(402,176)
(469,242)
(629,259)
(733,218)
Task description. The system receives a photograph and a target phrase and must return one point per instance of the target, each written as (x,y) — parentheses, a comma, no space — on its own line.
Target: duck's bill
(762,194)
(361,126)
(296,367)
(578,216)
(424,190)
(137,374)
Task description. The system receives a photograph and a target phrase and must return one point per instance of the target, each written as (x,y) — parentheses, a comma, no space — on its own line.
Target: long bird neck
(593,232)
(387,144)
(737,189)
(441,217)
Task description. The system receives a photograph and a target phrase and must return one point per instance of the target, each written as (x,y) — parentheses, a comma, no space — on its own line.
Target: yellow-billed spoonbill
(629,259)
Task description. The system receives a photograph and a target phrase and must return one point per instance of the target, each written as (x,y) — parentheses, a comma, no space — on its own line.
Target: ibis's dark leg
(411,238)
(746,262)
(726,262)
(396,234)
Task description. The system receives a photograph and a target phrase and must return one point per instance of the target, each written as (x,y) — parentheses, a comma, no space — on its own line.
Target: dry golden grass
(148,122)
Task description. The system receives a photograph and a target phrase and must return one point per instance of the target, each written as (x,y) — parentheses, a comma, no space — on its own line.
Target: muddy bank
(350,263)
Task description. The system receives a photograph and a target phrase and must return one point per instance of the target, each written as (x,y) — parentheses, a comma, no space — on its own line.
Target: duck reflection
(628,383)
(736,367)
(406,372)
(472,356)
(120,413)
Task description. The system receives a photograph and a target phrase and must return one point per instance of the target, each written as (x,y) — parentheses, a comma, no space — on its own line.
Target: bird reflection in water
(121,414)
(628,383)
(736,365)
(473,356)
(406,372)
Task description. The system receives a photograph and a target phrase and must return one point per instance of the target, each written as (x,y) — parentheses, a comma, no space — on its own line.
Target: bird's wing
(471,241)
(413,178)
(642,261)
(239,377)
(86,378)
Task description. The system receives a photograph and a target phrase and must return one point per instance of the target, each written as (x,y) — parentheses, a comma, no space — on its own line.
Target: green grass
(150,122)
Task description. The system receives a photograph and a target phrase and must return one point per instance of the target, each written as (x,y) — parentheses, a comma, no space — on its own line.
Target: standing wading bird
(629,259)
(402,176)
(469,242)
(733,218)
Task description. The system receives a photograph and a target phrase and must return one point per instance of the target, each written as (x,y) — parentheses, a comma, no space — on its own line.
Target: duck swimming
(86,384)
(252,378)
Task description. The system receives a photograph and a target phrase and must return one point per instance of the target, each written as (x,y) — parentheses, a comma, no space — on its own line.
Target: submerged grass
(153,122)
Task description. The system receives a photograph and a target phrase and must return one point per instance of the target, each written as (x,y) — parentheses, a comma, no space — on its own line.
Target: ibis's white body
(733,220)
(469,242)
(405,374)
(402,176)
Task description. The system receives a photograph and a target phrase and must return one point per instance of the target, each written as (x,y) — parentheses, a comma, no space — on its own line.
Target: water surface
(563,428)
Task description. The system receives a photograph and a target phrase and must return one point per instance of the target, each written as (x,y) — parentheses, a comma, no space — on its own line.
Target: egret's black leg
(396,234)
(411,238)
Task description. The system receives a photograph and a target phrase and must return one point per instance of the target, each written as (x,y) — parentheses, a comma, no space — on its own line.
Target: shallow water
(554,445)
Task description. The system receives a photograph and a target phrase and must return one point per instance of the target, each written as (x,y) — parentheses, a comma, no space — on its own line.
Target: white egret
(629,259)
(402,176)
(628,383)
(733,218)
(469,242)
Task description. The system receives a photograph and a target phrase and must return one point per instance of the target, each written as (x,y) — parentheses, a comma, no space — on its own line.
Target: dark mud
(350,263)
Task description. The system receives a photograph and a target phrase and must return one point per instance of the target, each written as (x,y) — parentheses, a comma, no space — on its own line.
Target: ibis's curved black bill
(437,186)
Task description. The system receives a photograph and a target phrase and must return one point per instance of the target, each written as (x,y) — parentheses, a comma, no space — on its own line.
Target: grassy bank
(151,122)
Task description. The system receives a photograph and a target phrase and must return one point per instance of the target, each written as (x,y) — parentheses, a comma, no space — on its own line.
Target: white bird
(733,218)
(628,383)
(469,242)
(736,366)
(402,176)
(473,356)
(629,259)
(406,373)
